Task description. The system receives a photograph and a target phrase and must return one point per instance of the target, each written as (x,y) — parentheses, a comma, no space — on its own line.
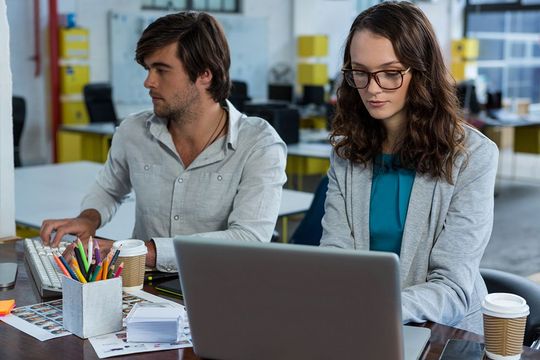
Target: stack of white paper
(155,322)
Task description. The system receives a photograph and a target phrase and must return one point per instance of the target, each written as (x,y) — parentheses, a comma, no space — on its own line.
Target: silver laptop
(283,301)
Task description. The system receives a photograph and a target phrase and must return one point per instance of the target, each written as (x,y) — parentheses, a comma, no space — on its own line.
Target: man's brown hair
(201,46)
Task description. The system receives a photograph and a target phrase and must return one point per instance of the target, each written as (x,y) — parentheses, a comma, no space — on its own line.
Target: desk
(15,344)
(56,191)
(85,141)
(308,159)
(521,133)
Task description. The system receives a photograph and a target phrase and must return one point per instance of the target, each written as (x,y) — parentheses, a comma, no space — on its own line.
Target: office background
(509,61)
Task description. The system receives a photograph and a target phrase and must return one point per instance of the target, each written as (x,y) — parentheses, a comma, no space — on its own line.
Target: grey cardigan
(446,231)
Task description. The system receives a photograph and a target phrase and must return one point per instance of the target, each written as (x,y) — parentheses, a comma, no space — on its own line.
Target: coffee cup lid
(505,305)
(130,247)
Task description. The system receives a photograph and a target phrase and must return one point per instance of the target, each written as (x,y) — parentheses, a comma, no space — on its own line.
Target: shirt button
(219,177)
(146,167)
(176,217)
(180,180)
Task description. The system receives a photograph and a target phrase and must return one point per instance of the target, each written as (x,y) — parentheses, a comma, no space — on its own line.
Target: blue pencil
(68,268)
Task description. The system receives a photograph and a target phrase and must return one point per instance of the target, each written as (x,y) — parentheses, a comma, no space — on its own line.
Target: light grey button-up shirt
(231,190)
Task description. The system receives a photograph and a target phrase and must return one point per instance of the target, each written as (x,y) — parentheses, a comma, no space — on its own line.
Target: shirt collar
(234,125)
(158,126)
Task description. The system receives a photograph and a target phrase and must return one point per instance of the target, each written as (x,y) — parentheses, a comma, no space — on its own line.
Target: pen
(83,256)
(119,271)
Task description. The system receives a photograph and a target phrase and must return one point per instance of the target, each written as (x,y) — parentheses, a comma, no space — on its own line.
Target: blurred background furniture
(19,115)
(99,103)
(239,94)
(309,232)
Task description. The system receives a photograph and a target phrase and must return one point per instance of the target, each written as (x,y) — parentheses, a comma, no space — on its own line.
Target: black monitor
(466,93)
(313,95)
(286,120)
(280,92)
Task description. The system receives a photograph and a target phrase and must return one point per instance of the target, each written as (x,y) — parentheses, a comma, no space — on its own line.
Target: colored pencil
(119,270)
(97,271)
(83,256)
(69,269)
(78,271)
(61,266)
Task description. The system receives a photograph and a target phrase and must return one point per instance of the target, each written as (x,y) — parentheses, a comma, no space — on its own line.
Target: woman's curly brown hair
(434,135)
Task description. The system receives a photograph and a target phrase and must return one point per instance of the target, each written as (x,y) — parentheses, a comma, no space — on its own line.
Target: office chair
(309,232)
(19,114)
(501,281)
(239,94)
(99,103)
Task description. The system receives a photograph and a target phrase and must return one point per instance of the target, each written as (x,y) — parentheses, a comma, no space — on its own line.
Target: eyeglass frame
(374,75)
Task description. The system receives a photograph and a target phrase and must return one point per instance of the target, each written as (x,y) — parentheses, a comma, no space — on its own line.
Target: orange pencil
(61,266)
(98,277)
(105,267)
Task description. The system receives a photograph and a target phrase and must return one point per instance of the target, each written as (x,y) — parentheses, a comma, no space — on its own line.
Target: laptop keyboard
(45,272)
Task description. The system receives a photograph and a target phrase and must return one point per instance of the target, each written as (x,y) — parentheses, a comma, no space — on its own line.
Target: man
(195,164)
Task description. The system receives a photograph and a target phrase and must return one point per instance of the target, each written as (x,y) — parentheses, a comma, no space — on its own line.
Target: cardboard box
(92,309)
(312,45)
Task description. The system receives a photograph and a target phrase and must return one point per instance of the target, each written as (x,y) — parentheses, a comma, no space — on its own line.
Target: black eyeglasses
(386,79)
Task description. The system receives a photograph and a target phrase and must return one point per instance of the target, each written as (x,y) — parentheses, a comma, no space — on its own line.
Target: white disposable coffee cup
(133,255)
(505,316)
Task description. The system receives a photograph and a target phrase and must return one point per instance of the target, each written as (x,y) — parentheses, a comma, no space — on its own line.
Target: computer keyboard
(45,272)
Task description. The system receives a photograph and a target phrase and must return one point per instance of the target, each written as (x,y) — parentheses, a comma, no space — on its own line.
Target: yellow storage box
(73,43)
(312,45)
(465,49)
(312,74)
(74,112)
(73,78)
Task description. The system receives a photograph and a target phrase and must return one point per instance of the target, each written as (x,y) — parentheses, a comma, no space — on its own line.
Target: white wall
(281,42)
(7,207)
(331,18)
(36,138)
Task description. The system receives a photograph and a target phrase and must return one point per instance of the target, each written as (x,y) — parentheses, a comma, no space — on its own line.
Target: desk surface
(56,191)
(15,344)
(311,150)
(508,119)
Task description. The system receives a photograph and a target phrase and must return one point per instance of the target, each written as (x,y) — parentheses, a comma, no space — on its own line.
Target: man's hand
(83,226)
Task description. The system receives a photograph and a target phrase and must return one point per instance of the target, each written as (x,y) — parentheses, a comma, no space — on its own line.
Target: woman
(407,174)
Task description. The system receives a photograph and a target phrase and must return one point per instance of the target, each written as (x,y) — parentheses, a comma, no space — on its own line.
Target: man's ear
(205,78)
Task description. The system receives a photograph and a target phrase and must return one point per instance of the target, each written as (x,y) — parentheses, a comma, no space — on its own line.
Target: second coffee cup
(133,255)
(505,316)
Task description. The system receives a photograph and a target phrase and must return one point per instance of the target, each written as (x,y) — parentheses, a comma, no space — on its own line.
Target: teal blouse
(390,192)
